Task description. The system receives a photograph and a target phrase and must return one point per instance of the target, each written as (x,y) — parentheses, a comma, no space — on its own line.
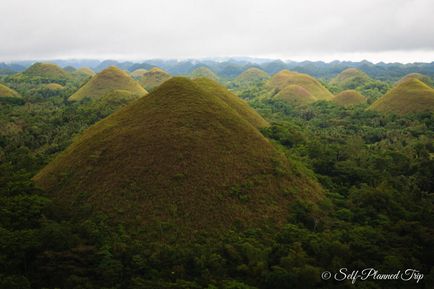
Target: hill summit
(349,98)
(425,79)
(46,70)
(111,81)
(409,96)
(250,76)
(204,71)
(315,89)
(185,158)
(350,78)
(153,78)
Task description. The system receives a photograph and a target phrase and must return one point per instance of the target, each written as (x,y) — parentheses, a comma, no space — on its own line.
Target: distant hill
(86,71)
(349,98)
(54,86)
(409,96)
(350,78)
(46,71)
(250,76)
(106,82)
(295,94)
(184,160)
(6,92)
(284,78)
(425,79)
(138,72)
(153,78)
(204,71)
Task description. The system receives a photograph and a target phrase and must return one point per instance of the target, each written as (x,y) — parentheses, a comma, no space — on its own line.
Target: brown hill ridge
(185,157)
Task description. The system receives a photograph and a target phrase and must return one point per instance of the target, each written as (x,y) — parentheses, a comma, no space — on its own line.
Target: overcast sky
(376,30)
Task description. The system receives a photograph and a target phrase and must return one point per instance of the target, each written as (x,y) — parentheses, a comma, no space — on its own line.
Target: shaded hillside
(410,96)
(283,78)
(350,78)
(153,78)
(106,82)
(349,98)
(181,159)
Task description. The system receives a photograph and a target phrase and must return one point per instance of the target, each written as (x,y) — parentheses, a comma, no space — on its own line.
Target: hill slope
(349,98)
(8,92)
(182,159)
(350,78)
(425,79)
(106,82)
(250,76)
(138,72)
(153,78)
(204,71)
(295,95)
(46,70)
(85,71)
(236,103)
(283,78)
(410,96)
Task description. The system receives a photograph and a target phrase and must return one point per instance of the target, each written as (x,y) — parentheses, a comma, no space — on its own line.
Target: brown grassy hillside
(410,96)
(153,78)
(349,98)
(182,160)
(106,82)
(284,78)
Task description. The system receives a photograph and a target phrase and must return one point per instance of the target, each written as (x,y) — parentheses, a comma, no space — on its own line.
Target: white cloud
(313,29)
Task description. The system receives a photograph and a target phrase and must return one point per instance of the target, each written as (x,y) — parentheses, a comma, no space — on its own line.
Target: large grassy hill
(107,82)
(409,96)
(184,160)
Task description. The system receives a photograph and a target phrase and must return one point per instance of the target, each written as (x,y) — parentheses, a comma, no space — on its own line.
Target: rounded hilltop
(409,96)
(349,98)
(153,78)
(295,94)
(285,77)
(251,75)
(350,78)
(108,82)
(188,156)
(85,71)
(46,70)
(138,72)
(425,79)
(205,72)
